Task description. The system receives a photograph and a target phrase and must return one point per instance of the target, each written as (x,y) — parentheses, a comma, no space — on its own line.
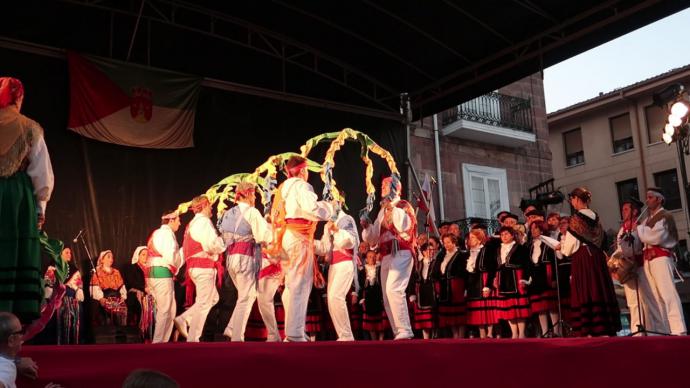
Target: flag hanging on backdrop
(131,105)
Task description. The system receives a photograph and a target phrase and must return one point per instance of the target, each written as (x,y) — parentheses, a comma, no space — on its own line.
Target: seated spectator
(11,334)
(108,288)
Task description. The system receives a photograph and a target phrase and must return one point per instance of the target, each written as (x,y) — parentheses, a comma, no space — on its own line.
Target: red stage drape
(611,362)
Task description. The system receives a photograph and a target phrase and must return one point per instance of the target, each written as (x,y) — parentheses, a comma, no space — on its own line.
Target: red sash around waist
(342,255)
(653,252)
(242,248)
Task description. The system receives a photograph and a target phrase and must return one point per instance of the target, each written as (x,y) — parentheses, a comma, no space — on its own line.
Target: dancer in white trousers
(643,307)
(164,262)
(298,203)
(341,272)
(659,234)
(202,248)
(394,232)
(270,278)
(243,228)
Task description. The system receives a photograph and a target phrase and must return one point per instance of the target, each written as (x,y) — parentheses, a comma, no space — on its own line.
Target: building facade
(492,150)
(612,145)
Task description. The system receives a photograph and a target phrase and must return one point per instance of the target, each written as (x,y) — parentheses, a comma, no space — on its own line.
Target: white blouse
(446,260)
(505,249)
(472,260)
(536,250)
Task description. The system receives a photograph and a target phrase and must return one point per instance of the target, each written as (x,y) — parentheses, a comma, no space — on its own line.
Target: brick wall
(525,166)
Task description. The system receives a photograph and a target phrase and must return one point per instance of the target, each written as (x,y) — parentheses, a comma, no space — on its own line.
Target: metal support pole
(684,179)
(439,173)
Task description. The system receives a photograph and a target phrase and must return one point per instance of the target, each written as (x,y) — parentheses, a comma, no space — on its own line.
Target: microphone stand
(88,254)
(565,327)
(88,333)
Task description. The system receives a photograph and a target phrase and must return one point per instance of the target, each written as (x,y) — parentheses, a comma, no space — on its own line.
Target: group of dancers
(396,279)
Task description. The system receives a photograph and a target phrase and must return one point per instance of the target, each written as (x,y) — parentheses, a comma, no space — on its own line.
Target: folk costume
(202,251)
(243,228)
(164,263)
(593,301)
(659,235)
(26,183)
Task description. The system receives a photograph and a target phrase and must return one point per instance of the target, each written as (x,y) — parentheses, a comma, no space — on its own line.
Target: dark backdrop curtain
(118,193)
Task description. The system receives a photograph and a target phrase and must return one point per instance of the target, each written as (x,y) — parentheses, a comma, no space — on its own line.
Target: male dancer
(164,262)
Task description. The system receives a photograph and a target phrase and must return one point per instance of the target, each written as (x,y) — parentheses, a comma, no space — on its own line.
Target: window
(486,190)
(574,153)
(621,133)
(656,119)
(626,190)
(668,181)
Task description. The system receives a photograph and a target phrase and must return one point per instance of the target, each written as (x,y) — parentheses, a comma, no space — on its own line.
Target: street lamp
(675,101)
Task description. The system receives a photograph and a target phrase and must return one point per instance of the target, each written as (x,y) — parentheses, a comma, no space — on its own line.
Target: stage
(586,362)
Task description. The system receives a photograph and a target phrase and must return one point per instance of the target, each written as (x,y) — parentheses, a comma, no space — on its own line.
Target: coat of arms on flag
(131,105)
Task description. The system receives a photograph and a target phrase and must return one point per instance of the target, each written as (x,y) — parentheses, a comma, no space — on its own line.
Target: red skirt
(481,312)
(513,307)
(544,302)
(453,312)
(423,318)
(355,317)
(375,322)
(593,302)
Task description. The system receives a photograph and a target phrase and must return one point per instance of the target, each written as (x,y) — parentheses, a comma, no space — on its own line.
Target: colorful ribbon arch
(265,176)
(367,144)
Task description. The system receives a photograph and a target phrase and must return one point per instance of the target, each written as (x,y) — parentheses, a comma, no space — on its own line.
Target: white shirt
(472,260)
(165,242)
(302,202)
(425,268)
(657,235)
(201,230)
(505,249)
(8,372)
(40,170)
(345,238)
(370,274)
(261,230)
(623,247)
(570,243)
(536,250)
(446,259)
(372,233)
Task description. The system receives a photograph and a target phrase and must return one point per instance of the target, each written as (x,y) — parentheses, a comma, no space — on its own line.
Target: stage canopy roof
(354,55)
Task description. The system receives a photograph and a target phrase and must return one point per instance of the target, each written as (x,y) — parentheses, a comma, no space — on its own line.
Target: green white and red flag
(131,105)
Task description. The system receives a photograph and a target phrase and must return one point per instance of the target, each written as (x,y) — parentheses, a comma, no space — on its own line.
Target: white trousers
(659,272)
(267,288)
(206,297)
(163,291)
(646,305)
(242,271)
(395,275)
(299,278)
(339,284)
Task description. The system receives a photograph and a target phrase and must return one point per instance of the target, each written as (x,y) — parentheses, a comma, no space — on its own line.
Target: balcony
(493,118)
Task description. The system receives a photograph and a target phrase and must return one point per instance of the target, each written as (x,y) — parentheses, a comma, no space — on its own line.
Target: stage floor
(587,362)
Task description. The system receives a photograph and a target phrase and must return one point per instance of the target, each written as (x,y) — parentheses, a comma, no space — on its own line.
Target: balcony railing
(465,224)
(494,109)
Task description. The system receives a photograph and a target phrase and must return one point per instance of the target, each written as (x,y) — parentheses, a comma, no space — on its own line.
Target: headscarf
(11,92)
(135,255)
(99,263)
(17,132)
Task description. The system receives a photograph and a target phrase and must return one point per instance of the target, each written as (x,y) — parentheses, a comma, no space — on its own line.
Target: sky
(643,53)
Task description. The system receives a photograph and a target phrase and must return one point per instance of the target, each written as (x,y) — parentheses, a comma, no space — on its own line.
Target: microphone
(77,236)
